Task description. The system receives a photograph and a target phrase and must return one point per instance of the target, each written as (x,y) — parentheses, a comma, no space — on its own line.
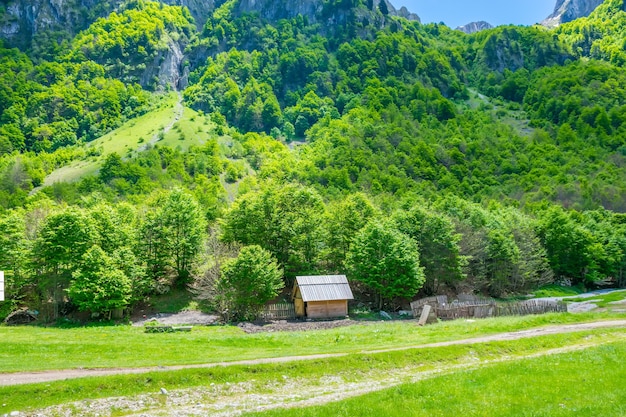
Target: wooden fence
(470,306)
(278,311)
(527,307)
(431,301)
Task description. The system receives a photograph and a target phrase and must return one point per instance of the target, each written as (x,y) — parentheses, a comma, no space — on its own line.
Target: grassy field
(192,129)
(228,384)
(38,348)
(585,383)
(554,290)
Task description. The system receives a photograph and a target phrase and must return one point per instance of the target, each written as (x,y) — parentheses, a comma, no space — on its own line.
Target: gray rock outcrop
(313,10)
(23,19)
(568,10)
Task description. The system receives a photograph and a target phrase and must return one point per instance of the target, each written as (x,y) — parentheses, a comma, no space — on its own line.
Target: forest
(413,158)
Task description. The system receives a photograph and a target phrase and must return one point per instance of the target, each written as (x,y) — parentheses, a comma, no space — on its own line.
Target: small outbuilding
(321,296)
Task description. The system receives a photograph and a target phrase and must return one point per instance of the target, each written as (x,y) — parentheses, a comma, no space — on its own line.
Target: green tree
(343,221)
(185,225)
(249,281)
(438,243)
(385,260)
(171,236)
(568,245)
(13,258)
(284,219)
(99,286)
(63,240)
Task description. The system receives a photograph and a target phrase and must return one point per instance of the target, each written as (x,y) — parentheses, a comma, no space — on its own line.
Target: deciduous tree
(385,260)
(249,281)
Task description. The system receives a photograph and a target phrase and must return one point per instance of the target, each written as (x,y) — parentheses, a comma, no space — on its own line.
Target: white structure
(1,285)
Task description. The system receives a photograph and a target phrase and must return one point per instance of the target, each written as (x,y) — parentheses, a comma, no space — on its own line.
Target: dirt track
(46,376)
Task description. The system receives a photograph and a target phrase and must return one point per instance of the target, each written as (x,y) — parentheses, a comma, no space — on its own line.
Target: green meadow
(43,348)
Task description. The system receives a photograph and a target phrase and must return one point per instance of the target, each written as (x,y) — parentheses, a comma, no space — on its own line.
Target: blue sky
(497,12)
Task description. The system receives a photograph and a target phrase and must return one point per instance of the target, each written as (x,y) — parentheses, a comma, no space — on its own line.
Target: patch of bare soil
(196,318)
(297,325)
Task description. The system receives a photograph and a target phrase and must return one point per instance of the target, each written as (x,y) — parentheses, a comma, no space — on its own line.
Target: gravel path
(47,376)
(582,306)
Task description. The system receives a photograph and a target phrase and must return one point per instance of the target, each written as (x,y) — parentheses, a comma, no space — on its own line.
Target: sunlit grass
(192,129)
(260,378)
(125,140)
(38,348)
(554,290)
(584,383)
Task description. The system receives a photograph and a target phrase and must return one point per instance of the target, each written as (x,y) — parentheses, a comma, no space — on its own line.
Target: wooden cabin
(321,296)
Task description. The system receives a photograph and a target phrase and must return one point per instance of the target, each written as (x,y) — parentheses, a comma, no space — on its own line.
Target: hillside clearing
(127,140)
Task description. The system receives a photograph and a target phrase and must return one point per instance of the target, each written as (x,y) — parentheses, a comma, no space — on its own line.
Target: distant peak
(474,27)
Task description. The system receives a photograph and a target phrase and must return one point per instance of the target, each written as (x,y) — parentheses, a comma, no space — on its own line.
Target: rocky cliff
(314,10)
(568,10)
(21,20)
(475,27)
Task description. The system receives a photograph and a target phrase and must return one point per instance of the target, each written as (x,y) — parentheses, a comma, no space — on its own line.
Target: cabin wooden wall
(326,309)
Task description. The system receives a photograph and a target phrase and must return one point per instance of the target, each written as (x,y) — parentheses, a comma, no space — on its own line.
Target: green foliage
(98,285)
(128,41)
(283,219)
(14,254)
(249,281)
(172,235)
(343,220)
(599,35)
(379,121)
(438,245)
(52,105)
(568,246)
(386,261)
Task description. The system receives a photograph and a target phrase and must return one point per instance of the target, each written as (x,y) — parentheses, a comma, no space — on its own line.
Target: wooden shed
(321,296)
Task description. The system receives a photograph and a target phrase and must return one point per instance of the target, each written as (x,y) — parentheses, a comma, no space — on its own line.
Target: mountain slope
(568,10)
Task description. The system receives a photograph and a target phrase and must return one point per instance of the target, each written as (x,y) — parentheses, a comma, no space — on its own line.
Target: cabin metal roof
(324,288)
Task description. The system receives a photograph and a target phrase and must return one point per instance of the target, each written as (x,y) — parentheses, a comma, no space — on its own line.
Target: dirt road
(47,376)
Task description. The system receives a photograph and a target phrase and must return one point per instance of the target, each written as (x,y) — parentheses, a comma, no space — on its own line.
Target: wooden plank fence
(528,307)
(278,311)
(431,301)
(471,306)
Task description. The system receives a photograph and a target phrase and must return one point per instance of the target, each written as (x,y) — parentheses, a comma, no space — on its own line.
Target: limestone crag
(404,12)
(313,10)
(23,19)
(568,10)
(474,27)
